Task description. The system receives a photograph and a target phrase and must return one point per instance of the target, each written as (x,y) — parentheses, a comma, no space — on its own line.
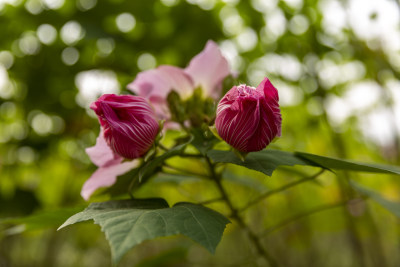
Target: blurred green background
(336,65)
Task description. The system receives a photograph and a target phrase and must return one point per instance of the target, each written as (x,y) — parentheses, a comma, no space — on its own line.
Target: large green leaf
(266,161)
(127,223)
(393,207)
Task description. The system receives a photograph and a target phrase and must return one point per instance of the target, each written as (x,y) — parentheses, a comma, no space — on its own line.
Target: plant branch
(163,147)
(188,155)
(183,171)
(280,189)
(211,201)
(235,215)
(303,215)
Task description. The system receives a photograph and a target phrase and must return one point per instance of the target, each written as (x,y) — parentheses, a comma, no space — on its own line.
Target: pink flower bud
(129,124)
(249,118)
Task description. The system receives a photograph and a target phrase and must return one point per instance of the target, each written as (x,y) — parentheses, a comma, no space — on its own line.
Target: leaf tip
(61,226)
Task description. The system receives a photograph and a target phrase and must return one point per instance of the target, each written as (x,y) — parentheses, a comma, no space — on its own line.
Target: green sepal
(176,107)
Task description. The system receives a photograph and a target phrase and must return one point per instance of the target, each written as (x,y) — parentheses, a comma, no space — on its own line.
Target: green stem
(183,171)
(163,147)
(130,187)
(188,155)
(280,189)
(303,215)
(347,193)
(235,215)
(211,201)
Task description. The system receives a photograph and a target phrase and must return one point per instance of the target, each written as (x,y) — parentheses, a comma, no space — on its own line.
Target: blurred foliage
(57,56)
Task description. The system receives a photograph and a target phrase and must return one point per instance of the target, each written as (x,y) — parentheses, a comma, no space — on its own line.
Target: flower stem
(183,171)
(236,216)
(211,201)
(188,155)
(303,215)
(280,189)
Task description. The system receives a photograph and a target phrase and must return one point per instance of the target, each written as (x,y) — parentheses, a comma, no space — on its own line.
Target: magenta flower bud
(129,124)
(249,118)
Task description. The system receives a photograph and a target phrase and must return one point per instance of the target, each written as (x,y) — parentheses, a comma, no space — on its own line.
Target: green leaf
(393,207)
(265,161)
(340,164)
(127,223)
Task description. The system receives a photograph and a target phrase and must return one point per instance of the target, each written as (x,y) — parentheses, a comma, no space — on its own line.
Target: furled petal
(208,69)
(106,176)
(129,124)
(266,130)
(101,154)
(237,123)
(249,118)
(271,104)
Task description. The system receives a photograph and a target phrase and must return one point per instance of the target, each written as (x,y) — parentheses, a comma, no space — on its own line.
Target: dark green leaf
(340,164)
(127,223)
(393,207)
(265,161)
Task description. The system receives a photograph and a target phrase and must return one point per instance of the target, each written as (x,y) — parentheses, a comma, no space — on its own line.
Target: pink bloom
(110,166)
(249,118)
(206,70)
(128,122)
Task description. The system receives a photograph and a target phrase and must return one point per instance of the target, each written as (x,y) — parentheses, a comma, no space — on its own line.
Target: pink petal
(237,123)
(106,176)
(249,118)
(129,124)
(208,69)
(156,84)
(266,131)
(160,81)
(269,90)
(272,103)
(101,154)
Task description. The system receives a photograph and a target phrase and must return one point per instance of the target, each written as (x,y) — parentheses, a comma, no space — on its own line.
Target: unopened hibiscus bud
(249,118)
(129,124)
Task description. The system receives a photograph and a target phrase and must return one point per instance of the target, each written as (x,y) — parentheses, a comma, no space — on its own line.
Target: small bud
(129,124)
(249,118)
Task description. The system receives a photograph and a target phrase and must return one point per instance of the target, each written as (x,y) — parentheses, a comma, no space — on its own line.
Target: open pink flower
(249,118)
(206,70)
(110,167)
(129,124)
